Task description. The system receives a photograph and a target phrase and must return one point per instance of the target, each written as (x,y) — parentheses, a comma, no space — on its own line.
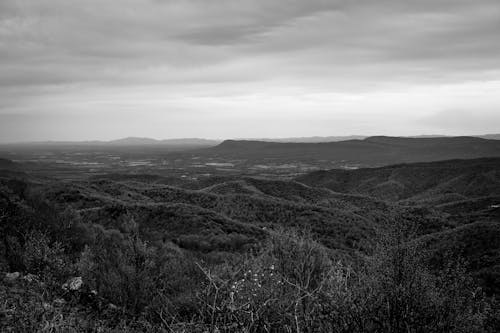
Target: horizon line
(159,141)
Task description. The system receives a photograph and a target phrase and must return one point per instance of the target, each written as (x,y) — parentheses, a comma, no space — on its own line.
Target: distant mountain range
(143,141)
(176,142)
(311,139)
(317,139)
(371,151)
(490,136)
(129,141)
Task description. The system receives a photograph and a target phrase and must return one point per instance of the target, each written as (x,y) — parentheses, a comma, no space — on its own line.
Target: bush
(119,268)
(273,291)
(141,279)
(43,258)
(207,243)
(395,291)
(294,286)
(291,284)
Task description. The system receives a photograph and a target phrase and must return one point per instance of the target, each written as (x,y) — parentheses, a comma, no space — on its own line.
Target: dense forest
(402,248)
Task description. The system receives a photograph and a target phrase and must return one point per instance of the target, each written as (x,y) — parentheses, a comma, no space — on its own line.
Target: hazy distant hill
(131,146)
(312,139)
(129,141)
(144,141)
(317,139)
(134,141)
(490,136)
(372,151)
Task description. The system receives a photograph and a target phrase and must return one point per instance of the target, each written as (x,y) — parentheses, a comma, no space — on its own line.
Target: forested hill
(452,179)
(372,151)
(342,207)
(104,229)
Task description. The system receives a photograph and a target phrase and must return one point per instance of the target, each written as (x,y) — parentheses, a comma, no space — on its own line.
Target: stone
(73,284)
(113,307)
(30,277)
(59,302)
(12,276)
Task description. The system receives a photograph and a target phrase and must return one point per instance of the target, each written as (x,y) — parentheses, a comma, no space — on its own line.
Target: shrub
(119,269)
(276,290)
(394,291)
(142,280)
(45,258)
(294,286)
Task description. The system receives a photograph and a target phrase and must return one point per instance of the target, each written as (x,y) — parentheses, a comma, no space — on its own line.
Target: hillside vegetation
(404,247)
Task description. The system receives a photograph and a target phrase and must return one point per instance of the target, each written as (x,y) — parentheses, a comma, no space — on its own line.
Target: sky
(102,69)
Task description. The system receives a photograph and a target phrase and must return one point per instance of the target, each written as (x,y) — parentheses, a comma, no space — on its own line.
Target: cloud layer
(101,69)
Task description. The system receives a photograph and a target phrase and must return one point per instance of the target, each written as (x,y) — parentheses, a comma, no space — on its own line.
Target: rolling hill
(417,181)
(344,209)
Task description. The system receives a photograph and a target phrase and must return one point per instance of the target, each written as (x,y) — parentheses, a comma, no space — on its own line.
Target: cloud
(59,54)
(477,120)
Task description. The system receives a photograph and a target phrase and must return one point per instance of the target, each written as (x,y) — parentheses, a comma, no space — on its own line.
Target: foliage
(294,287)
(141,279)
(43,258)
(213,274)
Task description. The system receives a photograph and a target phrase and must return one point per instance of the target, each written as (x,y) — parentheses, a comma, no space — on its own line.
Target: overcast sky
(102,69)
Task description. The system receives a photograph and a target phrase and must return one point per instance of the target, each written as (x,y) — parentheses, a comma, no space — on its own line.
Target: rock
(30,277)
(73,284)
(12,276)
(46,306)
(59,302)
(113,307)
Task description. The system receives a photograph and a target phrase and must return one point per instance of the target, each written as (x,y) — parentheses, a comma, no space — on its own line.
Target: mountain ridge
(371,151)
(303,139)
(131,141)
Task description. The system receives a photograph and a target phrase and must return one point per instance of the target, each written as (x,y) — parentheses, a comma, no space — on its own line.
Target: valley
(187,211)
